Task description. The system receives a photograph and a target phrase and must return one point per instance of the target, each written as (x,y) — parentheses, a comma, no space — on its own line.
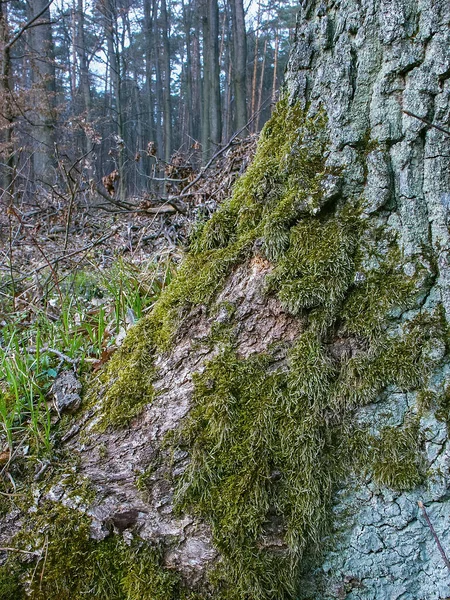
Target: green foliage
(77,567)
(391,360)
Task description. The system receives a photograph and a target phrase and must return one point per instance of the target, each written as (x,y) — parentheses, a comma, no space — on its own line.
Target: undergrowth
(77,328)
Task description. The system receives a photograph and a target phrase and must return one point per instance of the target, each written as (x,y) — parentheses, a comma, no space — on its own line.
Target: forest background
(118,86)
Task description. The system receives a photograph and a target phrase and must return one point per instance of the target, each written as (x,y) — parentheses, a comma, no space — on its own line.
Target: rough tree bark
(313,308)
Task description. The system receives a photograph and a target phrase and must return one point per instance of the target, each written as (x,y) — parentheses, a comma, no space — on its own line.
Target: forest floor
(74,276)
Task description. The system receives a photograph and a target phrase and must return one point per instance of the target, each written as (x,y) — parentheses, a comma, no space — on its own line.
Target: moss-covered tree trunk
(268,431)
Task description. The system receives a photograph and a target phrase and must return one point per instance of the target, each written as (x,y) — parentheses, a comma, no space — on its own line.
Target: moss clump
(318,266)
(268,446)
(129,377)
(10,587)
(380,290)
(399,361)
(77,567)
(397,459)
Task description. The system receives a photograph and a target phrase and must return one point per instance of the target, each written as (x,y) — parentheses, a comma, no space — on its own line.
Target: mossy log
(267,431)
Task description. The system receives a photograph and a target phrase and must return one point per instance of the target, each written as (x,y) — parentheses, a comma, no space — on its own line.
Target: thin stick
(6,549)
(427,122)
(61,355)
(430,525)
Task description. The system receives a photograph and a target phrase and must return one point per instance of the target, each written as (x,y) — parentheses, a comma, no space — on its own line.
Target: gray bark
(368,63)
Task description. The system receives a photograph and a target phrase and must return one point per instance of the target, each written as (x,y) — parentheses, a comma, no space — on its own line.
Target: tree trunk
(215,113)
(109,11)
(84,82)
(239,63)
(167,113)
(43,80)
(277,427)
(7,118)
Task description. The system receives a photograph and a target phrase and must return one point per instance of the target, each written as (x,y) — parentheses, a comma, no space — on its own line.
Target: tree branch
(20,33)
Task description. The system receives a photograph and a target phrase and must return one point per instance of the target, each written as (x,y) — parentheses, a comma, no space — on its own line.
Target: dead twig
(61,355)
(7,549)
(433,531)
(427,122)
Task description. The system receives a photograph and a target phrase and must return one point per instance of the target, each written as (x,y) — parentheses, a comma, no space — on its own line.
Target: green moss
(398,361)
(397,458)
(317,268)
(269,446)
(380,290)
(10,587)
(77,567)
(128,378)
(443,406)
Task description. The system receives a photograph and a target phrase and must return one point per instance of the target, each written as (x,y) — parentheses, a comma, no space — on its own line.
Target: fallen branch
(61,355)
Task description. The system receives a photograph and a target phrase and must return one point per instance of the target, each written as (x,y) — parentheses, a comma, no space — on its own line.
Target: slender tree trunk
(239,63)
(196,74)
(275,68)
(167,100)
(255,75)
(83,76)
(215,114)
(206,98)
(188,105)
(43,79)
(149,96)
(6,139)
(159,103)
(261,84)
(116,105)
